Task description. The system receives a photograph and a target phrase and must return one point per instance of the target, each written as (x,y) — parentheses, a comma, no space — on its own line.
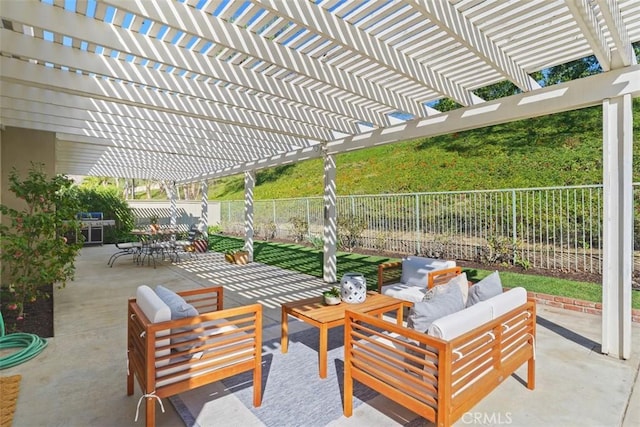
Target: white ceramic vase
(353,288)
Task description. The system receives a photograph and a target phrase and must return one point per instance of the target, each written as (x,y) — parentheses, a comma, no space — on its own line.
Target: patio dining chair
(126,248)
(186,246)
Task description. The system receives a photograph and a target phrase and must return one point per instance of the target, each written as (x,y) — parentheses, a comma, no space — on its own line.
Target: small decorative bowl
(331,300)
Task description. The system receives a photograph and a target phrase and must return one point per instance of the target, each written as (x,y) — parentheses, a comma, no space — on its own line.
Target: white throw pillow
(460,281)
(488,287)
(507,301)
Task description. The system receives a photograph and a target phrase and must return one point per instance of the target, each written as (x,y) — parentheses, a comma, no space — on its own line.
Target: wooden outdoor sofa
(172,356)
(444,373)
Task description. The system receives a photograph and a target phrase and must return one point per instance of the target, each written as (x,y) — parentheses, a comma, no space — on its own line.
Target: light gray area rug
(293,393)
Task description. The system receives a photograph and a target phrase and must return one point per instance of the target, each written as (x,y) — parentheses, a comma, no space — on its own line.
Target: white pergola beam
(572,95)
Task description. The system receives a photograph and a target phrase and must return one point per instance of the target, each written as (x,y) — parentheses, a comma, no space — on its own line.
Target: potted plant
(33,248)
(153,223)
(237,257)
(332,296)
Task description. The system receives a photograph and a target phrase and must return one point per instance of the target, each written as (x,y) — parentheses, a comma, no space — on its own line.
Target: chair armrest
(389,272)
(442,277)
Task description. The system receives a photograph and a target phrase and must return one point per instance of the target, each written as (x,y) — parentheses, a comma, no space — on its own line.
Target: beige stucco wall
(18,148)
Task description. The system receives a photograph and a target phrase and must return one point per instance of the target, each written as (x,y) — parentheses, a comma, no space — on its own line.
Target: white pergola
(188,90)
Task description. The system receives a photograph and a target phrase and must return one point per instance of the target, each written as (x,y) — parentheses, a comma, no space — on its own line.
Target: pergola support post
(204,203)
(618,226)
(329,270)
(173,211)
(249,185)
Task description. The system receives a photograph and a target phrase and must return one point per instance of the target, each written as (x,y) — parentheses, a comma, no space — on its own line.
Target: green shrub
(214,229)
(300,228)
(350,229)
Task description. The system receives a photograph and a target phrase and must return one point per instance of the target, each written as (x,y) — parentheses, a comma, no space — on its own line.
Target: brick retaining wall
(575,304)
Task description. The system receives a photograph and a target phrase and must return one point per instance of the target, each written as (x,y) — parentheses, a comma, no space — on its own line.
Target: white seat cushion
(405,292)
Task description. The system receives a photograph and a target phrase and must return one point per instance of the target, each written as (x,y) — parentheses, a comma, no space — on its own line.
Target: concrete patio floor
(80,379)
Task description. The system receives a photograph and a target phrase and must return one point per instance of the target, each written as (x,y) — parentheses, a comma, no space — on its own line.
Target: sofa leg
(531,374)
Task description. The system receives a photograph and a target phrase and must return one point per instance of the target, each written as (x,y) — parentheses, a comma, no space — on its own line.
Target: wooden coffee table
(315,312)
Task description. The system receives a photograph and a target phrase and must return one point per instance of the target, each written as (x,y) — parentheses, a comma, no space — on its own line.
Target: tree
(34,251)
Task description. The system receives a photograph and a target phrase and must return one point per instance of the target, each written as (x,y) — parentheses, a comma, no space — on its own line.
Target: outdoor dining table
(153,242)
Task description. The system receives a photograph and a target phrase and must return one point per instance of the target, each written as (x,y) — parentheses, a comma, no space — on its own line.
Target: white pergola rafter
(594,33)
(63,118)
(198,92)
(339,34)
(555,99)
(623,51)
(28,73)
(230,36)
(148,48)
(457,26)
(211,134)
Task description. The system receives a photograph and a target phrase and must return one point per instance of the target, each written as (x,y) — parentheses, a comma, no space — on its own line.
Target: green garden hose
(32,345)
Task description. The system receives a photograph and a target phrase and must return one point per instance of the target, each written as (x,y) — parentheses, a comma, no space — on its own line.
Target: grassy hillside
(562,149)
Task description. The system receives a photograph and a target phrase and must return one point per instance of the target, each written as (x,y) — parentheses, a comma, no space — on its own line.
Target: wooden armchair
(412,286)
(172,356)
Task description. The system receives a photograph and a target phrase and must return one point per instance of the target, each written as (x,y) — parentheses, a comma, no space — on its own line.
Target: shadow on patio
(80,379)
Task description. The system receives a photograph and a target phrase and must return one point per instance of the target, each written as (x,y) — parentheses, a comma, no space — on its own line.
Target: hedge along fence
(553,227)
